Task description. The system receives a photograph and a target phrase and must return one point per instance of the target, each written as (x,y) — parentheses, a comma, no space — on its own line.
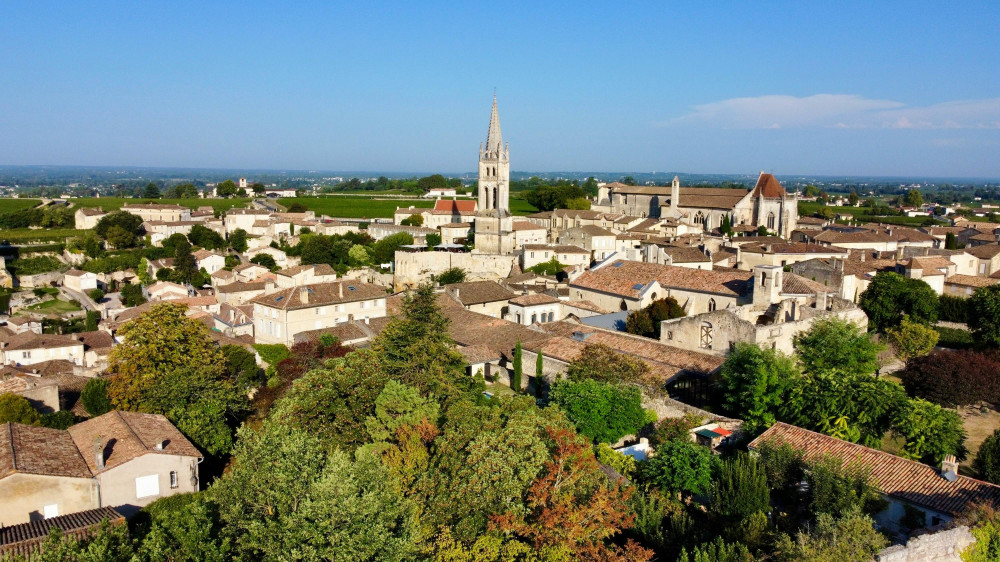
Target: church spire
(494,140)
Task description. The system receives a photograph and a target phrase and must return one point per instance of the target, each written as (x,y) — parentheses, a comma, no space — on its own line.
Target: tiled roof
(929,263)
(630,278)
(791,248)
(525,225)
(586,305)
(685,254)
(346,333)
(129,435)
(532,300)
(223,274)
(39,450)
(31,340)
(478,292)
(593,230)
(240,287)
(457,225)
(768,186)
(92,212)
(474,354)
(153,206)
(984,252)
(96,340)
(792,284)
(320,294)
(75,273)
(984,237)
(894,476)
(453,205)
(30,535)
(202,254)
(557,248)
(858,237)
(970,281)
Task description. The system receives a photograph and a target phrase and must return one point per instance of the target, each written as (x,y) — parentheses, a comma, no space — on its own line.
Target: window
(532,254)
(706,335)
(534,317)
(670,335)
(146,486)
(50,511)
(25,355)
(770,221)
(174,480)
(711,305)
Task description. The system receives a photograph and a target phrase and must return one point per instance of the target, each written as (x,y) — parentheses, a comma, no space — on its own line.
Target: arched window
(534,317)
(699,218)
(770,221)
(711,305)
(495,204)
(624,305)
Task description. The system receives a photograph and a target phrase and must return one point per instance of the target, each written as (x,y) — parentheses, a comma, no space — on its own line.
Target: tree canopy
(890,295)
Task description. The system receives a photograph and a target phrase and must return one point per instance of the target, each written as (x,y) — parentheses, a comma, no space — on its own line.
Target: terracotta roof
(791,248)
(857,237)
(453,205)
(768,186)
(92,212)
(894,476)
(474,354)
(346,333)
(593,230)
(76,273)
(478,292)
(39,450)
(223,274)
(930,263)
(984,252)
(722,255)
(525,225)
(320,294)
(586,305)
(26,539)
(970,281)
(31,340)
(153,206)
(241,286)
(202,254)
(792,284)
(984,237)
(684,254)
(532,300)
(630,278)
(457,225)
(96,340)
(129,435)
(557,248)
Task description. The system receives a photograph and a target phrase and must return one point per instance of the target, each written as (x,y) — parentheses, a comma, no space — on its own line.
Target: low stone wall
(941,546)
(412,269)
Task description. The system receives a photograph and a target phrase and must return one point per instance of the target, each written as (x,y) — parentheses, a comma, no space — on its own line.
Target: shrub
(58,420)
(912,339)
(953,378)
(603,412)
(623,464)
(987,462)
(17,409)
(272,354)
(95,397)
(680,467)
(96,294)
(953,309)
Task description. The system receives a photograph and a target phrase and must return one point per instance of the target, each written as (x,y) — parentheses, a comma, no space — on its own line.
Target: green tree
(852,199)
(726,228)
(717,551)
(94,397)
(912,339)
(646,321)
(264,260)
(96,294)
(515,381)
(551,268)
(950,241)
(398,405)
(152,191)
(680,467)
(359,256)
(984,316)
(16,409)
(987,462)
(754,382)
(238,240)
(601,411)
(433,240)
(385,249)
(205,237)
(183,527)
(415,219)
(835,345)
(740,490)
(132,295)
(241,367)
(258,189)
(914,198)
(120,229)
(450,276)
(852,537)
(890,295)
(227,188)
(930,432)
(91,320)
(602,363)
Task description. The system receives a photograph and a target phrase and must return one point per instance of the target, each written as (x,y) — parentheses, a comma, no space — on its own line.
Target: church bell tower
(494,170)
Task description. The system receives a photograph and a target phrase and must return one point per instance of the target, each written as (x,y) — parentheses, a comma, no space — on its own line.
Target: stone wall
(940,546)
(412,269)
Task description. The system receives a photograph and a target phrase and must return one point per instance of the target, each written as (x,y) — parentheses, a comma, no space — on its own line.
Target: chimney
(949,468)
(304,295)
(159,445)
(98,453)
(821,300)
(340,288)
(675,192)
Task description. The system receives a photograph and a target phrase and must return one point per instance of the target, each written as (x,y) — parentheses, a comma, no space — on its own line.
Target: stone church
(494,230)
(767,204)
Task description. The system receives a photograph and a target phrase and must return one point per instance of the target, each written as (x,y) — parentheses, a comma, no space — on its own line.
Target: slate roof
(319,294)
(894,476)
(39,450)
(625,277)
(129,435)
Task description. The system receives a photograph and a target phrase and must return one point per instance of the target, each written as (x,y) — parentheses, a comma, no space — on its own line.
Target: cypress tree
(515,381)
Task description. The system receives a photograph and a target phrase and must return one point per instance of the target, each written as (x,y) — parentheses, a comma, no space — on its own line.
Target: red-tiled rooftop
(894,476)
(630,278)
(454,205)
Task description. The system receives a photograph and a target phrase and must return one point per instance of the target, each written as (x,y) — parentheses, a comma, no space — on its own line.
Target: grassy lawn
(978,426)
(354,207)
(22,235)
(8,205)
(521,207)
(54,306)
(115,203)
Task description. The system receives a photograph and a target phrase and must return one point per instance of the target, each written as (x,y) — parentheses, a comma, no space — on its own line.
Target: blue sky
(847,88)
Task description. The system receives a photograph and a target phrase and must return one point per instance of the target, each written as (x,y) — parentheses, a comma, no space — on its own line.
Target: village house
(485,297)
(445,211)
(282,314)
(281,259)
(665,253)
(166,290)
(80,281)
(158,212)
(631,285)
(234,320)
(534,254)
(964,285)
(136,458)
(240,292)
(989,258)
(209,261)
(247,272)
(752,255)
(455,232)
(528,309)
(42,475)
(29,348)
(305,275)
(243,219)
(86,218)
(909,487)
(600,242)
(528,233)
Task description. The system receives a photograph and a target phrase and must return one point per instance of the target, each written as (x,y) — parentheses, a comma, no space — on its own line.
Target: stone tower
(494,224)
(494,169)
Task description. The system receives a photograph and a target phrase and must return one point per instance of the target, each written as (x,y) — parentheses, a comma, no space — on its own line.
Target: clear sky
(845,88)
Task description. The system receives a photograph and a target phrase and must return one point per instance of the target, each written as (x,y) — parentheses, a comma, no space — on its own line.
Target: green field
(808,208)
(8,205)
(115,203)
(23,235)
(54,306)
(364,207)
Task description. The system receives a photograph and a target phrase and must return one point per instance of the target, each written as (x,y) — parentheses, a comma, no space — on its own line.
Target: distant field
(521,207)
(115,203)
(808,208)
(22,235)
(9,205)
(354,207)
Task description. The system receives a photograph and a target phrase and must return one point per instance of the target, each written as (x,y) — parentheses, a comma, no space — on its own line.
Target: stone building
(280,315)
(494,223)
(767,204)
